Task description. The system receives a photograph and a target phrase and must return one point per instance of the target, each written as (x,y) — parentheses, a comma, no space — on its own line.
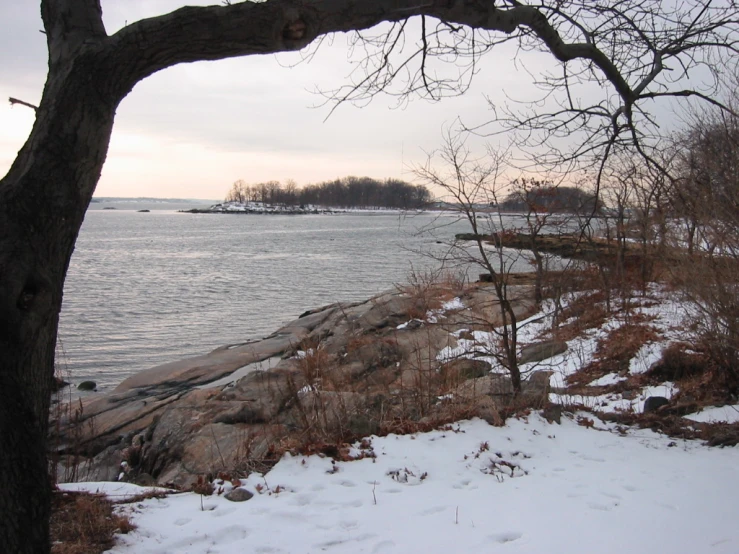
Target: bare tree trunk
(45,197)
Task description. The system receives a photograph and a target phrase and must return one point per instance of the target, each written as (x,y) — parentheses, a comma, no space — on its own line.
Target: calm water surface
(149,288)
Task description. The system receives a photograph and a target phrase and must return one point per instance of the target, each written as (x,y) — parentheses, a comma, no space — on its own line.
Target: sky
(192,130)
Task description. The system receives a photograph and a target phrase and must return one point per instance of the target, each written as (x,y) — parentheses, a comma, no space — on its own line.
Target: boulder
(462,369)
(220,412)
(653,403)
(87,385)
(537,383)
(541,351)
(552,413)
(238,495)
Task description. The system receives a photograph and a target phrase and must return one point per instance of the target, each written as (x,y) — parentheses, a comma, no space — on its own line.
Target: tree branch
(22,103)
(71,24)
(215,32)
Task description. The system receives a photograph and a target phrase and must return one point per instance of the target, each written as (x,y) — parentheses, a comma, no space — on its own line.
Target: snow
(725,414)
(454,304)
(528,487)
(646,357)
(614,402)
(267,208)
(114,490)
(610,379)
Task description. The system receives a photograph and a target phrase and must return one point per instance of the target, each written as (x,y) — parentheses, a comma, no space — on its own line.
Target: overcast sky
(191,130)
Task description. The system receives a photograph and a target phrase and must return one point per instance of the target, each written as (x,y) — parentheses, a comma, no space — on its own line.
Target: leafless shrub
(83,523)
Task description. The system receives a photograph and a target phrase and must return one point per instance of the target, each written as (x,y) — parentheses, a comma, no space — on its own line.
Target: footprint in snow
(592,458)
(600,506)
(462,484)
(382,546)
(232,534)
(301,500)
(506,536)
(182,521)
(434,510)
(348,525)
(223,511)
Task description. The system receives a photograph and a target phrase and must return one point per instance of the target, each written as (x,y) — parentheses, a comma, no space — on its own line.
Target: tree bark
(43,201)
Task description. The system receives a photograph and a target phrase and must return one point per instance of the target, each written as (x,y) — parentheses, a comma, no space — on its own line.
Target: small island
(347,194)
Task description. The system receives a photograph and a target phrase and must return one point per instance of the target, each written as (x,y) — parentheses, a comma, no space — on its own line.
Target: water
(149,288)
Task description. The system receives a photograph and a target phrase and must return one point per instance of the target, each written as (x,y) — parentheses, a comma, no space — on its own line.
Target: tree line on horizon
(544,196)
(346,192)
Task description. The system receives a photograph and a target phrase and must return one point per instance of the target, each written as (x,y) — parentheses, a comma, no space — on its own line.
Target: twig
(22,103)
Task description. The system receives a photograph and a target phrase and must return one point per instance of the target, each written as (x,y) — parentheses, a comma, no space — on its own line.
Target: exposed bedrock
(345,370)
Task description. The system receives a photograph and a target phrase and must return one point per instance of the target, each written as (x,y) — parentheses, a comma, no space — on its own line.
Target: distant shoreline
(259,208)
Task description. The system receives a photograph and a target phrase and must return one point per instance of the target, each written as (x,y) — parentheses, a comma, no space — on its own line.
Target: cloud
(203,125)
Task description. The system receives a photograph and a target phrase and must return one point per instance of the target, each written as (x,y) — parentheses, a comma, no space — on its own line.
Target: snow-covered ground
(528,487)
(663,312)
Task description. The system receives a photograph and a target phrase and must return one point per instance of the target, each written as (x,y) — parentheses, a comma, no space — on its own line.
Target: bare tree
(706,197)
(542,209)
(473,186)
(626,47)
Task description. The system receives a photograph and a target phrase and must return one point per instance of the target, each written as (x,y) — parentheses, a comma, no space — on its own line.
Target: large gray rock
(541,351)
(221,412)
(87,386)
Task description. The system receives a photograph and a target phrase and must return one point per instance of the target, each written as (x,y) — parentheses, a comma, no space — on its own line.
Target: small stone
(629,394)
(238,495)
(466,334)
(87,385)
(553,413)
(653,403)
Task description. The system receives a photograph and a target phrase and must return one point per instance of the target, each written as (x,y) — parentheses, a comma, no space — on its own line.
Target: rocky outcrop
(541,351)
(339,372)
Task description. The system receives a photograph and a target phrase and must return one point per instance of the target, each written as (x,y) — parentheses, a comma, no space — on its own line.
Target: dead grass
(428,291)
(586,312)
(675,426)
(679,365)
(615,351)
(83,523)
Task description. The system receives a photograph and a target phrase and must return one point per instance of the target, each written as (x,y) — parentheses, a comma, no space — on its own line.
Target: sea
(146,288)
